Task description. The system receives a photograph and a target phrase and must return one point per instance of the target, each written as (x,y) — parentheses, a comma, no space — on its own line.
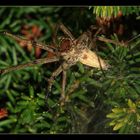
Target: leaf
(27,116)
(10,107)
(10,96)
(3,79)
(81,67)
(112,123)
(78,93)
(138,117)
(83,98)
(40,102)
(42,124)
(117,110)
(8,81)
(124,119)
(114,115)
(15,62)
(51,103)
(131,104)
(7,122)
(14,93)
(26,98)
(31,92)
(48,115)
(57,86)
(21,51)
(3,113)
(118,126)
(111,115)
(31,129)
(94,82)
(41,95)
(62,119)
(3,63)
(23,103)
(15,23)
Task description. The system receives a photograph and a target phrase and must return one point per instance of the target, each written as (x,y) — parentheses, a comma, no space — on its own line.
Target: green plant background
(100,104)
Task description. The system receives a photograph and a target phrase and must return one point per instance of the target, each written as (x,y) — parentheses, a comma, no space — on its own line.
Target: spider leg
(28,42)
(54,36)
(32,63)
(62,67)
(96,50)
(92,43)
(54,74)
(62,98)
(105,39)
(97,32)
(111,41)
(65,31)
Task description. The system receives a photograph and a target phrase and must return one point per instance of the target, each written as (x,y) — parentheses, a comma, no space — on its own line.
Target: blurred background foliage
(97,102)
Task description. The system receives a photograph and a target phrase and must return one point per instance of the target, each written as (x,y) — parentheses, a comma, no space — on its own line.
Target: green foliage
(121,87)
(108,11)
(126,120)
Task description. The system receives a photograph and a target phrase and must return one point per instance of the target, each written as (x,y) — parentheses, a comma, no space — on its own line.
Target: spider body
(78,51)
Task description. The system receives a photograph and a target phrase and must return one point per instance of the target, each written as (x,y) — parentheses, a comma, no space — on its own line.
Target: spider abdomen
(91,59)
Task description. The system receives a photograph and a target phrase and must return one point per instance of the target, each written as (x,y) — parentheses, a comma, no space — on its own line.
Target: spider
(70,50)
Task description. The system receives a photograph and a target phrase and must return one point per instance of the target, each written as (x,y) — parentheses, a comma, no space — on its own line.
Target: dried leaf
(3,113)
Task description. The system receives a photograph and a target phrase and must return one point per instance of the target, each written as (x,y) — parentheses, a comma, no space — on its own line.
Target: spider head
(65,45)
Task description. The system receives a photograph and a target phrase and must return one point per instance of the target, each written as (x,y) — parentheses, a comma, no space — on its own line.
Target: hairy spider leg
(66,31)
(28,42)
(111,41)
(55,74)
(31,63)
(95,45)
(63,86)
